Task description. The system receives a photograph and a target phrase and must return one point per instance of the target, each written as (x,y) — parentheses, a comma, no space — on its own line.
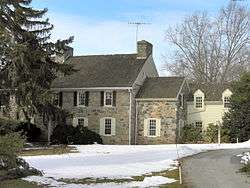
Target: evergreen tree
(237,120)
(27,63)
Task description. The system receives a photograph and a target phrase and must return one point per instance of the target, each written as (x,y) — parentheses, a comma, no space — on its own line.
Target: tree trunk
(49,129)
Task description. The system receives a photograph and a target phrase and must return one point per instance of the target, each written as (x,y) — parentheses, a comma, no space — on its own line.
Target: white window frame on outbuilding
(148,127)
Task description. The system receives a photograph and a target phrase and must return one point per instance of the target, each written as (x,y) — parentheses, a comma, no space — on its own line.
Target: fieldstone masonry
(94,112)
(164,110)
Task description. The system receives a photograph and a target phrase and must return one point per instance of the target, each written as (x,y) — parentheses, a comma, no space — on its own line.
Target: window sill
(108,106)
(152,136)
(81,106)
(108,135)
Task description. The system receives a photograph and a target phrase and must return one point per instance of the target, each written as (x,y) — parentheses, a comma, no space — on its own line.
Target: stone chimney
(144,49)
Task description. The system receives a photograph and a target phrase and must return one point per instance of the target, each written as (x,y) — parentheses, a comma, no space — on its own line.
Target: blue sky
(101,26)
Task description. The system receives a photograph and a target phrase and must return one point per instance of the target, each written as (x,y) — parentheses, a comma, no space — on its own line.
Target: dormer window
(198,102)
(198,99)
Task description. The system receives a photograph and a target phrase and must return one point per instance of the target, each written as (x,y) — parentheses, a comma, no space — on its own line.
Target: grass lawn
(169,174)
(52,150)
(246,169)
(18,183)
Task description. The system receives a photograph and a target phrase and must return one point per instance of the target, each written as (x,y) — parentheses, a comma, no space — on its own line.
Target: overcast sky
(101,26)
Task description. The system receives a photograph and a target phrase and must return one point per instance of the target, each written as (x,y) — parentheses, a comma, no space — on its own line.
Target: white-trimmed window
(107,126)
(198,102)
(81,98)
(152,127)
(226,101)
(80,121)
(108,98)
(198,125)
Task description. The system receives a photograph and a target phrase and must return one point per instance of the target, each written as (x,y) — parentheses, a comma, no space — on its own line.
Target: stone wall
(94,112)
(166,112)
(148,70)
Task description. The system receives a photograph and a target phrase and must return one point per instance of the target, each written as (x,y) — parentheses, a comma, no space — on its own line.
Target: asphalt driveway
(215,169)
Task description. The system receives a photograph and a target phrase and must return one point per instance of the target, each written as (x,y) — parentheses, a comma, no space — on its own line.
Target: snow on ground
(118,161)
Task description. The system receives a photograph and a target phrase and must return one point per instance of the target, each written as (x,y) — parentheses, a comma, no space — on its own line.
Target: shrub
(191,134)
(67,134)
(7,126)
(10,145)
(31,131)
(211,134)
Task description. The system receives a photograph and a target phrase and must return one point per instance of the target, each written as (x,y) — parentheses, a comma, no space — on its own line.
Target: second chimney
(144,49)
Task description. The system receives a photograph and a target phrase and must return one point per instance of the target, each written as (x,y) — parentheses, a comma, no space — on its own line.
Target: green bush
(31,131)
(10,145)
(211,134)
(191,134)
(67,134)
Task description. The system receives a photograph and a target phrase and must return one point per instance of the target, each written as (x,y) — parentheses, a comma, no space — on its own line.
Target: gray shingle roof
(213,92)
(101,71)
(160,87)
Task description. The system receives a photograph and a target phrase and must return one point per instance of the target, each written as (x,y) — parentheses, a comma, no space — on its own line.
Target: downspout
(136,121)
(130,116)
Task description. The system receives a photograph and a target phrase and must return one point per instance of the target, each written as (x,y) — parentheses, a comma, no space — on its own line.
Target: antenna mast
(138,24)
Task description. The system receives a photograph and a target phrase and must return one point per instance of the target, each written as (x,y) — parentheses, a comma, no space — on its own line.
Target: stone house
(207,104)
(121,97)
(109,94)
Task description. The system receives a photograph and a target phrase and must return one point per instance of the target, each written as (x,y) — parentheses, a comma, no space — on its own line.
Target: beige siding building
(208,104)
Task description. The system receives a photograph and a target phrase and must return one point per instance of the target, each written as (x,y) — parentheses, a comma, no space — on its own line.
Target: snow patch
(118,161)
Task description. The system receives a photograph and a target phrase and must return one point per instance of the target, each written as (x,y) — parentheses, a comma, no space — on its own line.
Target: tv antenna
(138,24)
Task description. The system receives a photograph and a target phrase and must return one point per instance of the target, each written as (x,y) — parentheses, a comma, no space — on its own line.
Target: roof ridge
(99,55)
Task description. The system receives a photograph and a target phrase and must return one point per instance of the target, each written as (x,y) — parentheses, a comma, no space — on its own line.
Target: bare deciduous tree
(211,49)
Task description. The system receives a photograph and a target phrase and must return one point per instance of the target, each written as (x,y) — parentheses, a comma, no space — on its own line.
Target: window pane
(152,127)
(108,126)
(108,98)
(56,99)
(198,125)
(198,102)
(81,99)
(81,122)
(226,102)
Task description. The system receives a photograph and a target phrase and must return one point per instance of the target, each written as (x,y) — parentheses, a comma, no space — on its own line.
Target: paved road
(215,169)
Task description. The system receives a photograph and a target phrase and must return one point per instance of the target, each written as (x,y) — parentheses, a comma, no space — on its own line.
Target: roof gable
(161,87)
